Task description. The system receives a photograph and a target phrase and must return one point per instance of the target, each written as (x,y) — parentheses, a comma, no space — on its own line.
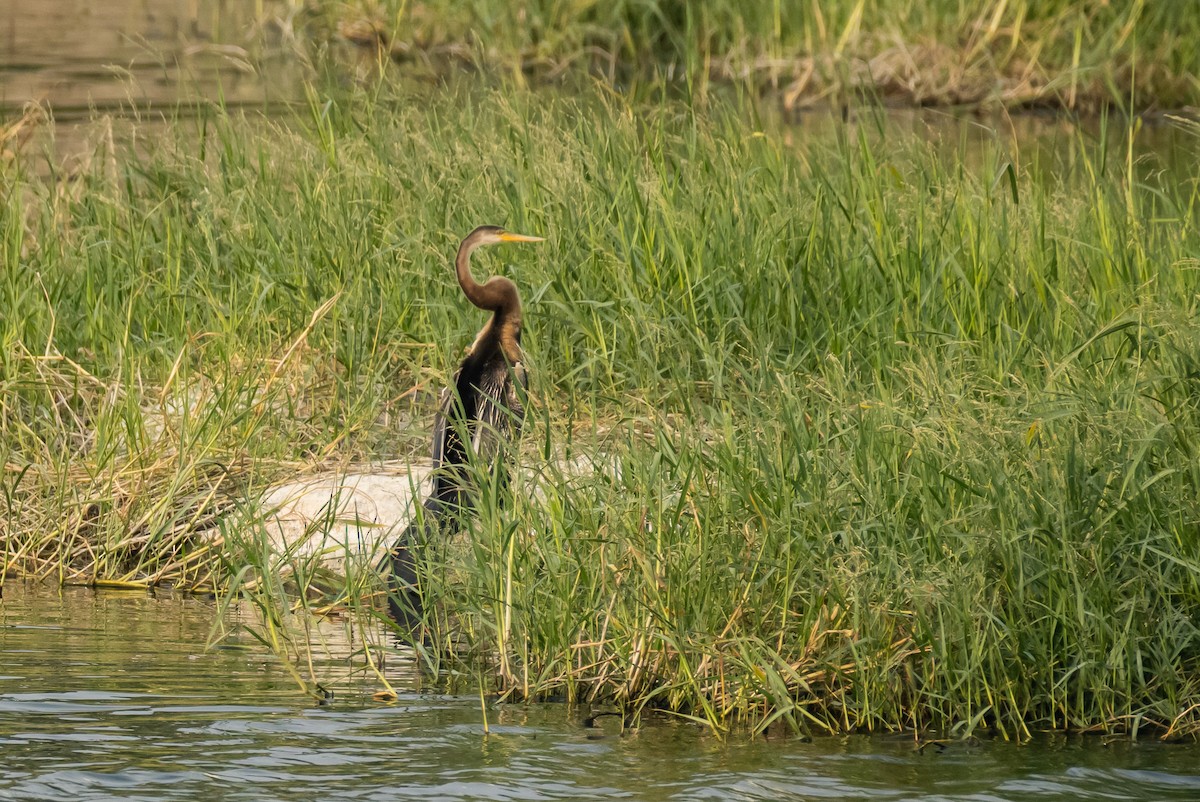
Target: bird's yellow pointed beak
(510,237)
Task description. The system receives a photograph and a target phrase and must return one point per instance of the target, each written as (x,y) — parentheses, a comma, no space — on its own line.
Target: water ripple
(121,705)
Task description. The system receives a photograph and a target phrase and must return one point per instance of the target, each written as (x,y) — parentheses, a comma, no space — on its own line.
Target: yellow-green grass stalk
(886,434)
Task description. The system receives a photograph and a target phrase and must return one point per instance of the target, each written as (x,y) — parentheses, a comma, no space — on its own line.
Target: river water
(81,57)
(78,75)
(115,696)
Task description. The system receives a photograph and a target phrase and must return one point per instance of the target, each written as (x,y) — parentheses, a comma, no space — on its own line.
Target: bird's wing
(519,396)
(499,411)
(441,427)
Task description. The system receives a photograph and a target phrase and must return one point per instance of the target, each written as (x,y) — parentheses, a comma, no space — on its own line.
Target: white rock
(345,521)
(344,517)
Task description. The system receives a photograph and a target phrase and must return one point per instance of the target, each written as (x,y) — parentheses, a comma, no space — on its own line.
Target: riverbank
(1002,53)
(903,425)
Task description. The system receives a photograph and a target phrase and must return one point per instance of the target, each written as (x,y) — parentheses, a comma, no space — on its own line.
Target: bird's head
(491,235)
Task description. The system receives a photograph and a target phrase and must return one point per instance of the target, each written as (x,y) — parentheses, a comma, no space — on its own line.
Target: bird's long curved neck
(497,295)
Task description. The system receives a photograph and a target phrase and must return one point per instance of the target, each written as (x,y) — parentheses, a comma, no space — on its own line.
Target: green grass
(1009,52)
(904,432)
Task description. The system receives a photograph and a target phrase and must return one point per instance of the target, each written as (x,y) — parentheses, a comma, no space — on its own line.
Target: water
(86,56)
(107,696)
(80,74)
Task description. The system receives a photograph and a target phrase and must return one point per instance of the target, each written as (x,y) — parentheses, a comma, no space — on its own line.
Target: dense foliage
(888,431)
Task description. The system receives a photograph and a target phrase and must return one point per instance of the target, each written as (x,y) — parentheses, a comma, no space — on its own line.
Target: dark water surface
(115,696)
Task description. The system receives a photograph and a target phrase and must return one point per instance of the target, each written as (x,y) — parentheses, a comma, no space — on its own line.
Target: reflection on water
(1050,150)
(114,696)
(79,55)
(141,61)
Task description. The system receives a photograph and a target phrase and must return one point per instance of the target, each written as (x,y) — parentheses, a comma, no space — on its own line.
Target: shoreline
(1006,55)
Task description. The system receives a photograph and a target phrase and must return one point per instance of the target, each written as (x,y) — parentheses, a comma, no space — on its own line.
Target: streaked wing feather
(445,403)
(500,411)
(519,394)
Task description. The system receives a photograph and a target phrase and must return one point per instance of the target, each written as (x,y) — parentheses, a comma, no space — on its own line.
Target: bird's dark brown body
(479,415)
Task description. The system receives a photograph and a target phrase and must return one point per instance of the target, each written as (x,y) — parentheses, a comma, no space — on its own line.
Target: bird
(478,414)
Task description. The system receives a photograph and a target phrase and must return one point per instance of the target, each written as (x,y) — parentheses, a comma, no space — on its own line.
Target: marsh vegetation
(1012,53)
(881,429)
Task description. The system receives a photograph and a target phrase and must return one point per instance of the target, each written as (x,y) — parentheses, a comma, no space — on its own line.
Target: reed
(1000,52)
(885,433)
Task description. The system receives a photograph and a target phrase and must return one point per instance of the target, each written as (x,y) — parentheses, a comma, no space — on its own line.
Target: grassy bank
(1009,52)
(905,437)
